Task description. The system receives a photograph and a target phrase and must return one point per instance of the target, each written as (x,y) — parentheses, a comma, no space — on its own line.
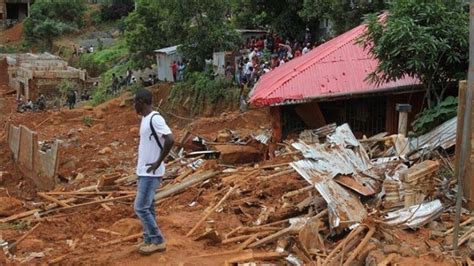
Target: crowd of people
(29,105)
(82,50)
(260,55)
(178,70)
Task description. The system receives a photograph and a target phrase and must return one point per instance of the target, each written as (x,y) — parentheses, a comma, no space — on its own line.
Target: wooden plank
(468,177)
(188,182)
(74,193)
(273,237)
(23,237)
(19,216)
(47,197)
(122,239)
(256,256)
(213,209)
(87,204)
(277,133)
(359,248)
(343,243)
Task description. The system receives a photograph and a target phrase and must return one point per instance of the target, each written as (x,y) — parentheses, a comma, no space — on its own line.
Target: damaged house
(32,74)
(329,85)
(13,11)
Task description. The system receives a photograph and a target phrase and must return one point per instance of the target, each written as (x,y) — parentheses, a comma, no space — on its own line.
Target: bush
(203,90)
(98,62)
(94,69)
(433,117)
(101,93)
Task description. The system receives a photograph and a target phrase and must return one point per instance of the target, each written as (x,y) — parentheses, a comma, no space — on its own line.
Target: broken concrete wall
(25,69)
(14,140)
(27,147)
(39,166)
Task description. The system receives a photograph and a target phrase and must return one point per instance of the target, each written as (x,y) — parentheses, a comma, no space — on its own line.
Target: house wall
(365,115)
(163,64)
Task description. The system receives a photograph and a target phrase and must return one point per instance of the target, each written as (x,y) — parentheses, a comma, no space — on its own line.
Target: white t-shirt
(305,50)
(247,70)
(148,149)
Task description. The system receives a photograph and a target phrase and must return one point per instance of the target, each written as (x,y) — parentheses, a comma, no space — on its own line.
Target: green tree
(201,27)
(50,19)
(423,39)
(115,9)
(280,16)
(144,32)
(343,14)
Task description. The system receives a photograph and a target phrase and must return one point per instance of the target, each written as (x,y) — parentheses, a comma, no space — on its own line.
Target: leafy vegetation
(100,61)
(201,90)
(65,87)
(344,15)
(432,117)
(428,40)
(102,93)
(115,9)
(50,19)
(198,25)
(144,33)
(87,120)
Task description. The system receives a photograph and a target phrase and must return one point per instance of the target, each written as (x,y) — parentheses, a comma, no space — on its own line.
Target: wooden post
(466,153)
(403,110)
(468,176)
(275,112)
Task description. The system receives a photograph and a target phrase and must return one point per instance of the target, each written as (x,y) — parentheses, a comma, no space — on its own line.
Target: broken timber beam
(188,182)
(23,237)
(47,197)
(360,247)
(19,216)
(246,256)
(87,204)
(273,237)
(343,243)
(122,239)
(213,209)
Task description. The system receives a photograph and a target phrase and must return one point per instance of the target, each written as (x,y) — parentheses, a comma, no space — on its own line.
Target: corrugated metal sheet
(343,205)
(443,136)
(341,155)
(168,50)
(416,215)
(336,68)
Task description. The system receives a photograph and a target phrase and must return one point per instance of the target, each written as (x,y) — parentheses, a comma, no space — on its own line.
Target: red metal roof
(336,68)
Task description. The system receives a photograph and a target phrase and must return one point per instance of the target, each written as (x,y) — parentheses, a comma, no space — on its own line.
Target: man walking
(156,141)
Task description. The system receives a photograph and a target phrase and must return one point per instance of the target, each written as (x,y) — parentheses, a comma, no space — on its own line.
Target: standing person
(128,76)
(71,99)
(229,71)
(174,70)
(307,48)
(115,84)
(155,144)
(181,67)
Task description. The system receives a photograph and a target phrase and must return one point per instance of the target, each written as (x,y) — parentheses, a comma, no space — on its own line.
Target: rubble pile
(325,198)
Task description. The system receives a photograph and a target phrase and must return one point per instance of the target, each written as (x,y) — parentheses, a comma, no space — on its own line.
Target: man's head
(143,101)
